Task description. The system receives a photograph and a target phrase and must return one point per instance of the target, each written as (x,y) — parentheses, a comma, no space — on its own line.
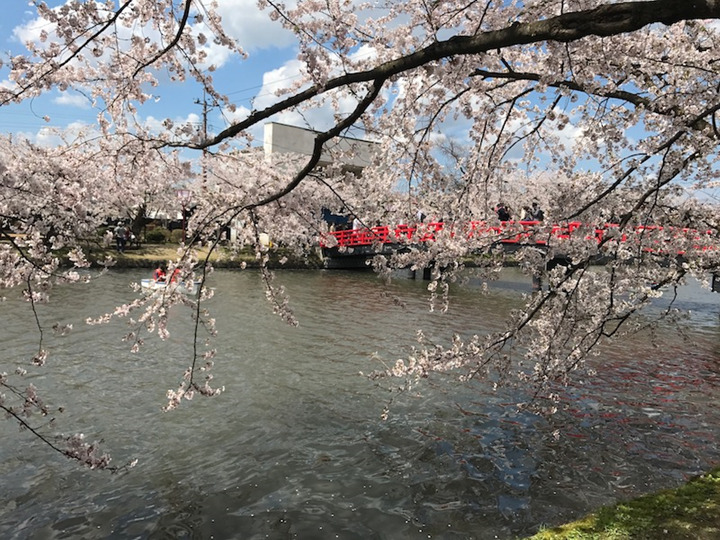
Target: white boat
(183,287)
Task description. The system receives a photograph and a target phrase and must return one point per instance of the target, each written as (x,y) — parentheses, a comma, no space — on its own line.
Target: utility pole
(205,135)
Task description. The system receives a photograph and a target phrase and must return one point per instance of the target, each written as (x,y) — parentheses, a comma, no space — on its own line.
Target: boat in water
(183,287)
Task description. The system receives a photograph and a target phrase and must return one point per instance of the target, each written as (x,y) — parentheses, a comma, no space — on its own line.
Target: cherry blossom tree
(603,111)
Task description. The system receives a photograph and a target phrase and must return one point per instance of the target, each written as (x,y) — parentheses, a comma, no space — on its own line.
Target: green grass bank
(151,255)
(691,511)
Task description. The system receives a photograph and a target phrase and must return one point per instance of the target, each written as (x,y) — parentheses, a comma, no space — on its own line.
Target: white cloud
(319,117)
(32,30)
(364,53)
(242,20)
(7,84)
(73,100)
(47,138)
(240,113)
(159,125)
(278,79)
(251,27)
(52,136)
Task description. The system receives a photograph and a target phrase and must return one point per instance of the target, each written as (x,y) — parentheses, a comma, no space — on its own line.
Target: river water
(296,448)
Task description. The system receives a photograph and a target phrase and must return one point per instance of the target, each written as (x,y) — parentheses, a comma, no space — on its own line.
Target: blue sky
(271,60)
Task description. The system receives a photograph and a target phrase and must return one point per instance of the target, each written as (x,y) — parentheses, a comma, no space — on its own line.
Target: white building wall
(281,138)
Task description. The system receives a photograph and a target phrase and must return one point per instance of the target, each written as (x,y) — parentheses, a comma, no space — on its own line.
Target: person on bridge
(537,213)
(356,224)
(503,213)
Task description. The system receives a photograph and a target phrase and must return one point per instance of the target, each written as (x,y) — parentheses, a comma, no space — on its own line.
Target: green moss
(150,255)
(690,511)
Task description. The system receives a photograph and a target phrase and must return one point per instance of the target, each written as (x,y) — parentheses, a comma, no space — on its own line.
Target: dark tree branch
(176,39)
(638,101)
(320,140)
(607,20)
(75,53)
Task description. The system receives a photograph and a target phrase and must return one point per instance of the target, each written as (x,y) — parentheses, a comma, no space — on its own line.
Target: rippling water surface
(295,447)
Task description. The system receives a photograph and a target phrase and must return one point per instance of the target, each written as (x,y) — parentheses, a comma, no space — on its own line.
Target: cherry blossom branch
(606,20)
(39,358)
(77,448)
(296,27)
(173,42)
(319,142)
(628,172)
(19,250)
(698,122)
(426,131)
(73,55)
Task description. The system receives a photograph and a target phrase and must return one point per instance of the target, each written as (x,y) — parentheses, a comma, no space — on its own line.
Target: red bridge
(513,232)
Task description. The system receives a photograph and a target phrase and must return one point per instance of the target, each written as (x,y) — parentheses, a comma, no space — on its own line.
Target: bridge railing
(514,232)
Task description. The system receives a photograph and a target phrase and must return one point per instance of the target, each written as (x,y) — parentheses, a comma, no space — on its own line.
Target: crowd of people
(527,213)
(345,221)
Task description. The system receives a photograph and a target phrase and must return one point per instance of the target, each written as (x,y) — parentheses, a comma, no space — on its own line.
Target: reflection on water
(295,448)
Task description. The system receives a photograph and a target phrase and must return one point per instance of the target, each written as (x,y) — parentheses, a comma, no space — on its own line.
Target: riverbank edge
(691,511)
(154,255)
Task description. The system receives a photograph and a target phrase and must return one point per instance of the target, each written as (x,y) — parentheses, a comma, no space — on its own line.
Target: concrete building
(353,154)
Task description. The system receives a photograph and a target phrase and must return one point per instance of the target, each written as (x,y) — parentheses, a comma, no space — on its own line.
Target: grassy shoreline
(691,511)
(152,255)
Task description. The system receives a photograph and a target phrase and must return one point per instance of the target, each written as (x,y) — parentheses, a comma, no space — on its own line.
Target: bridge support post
(537,276)
(426,273)
(537,281)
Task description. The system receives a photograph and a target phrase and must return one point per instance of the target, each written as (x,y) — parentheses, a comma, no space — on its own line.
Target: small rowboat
(183,287)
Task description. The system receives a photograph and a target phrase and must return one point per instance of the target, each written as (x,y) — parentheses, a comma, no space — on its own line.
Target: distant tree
(617,99)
